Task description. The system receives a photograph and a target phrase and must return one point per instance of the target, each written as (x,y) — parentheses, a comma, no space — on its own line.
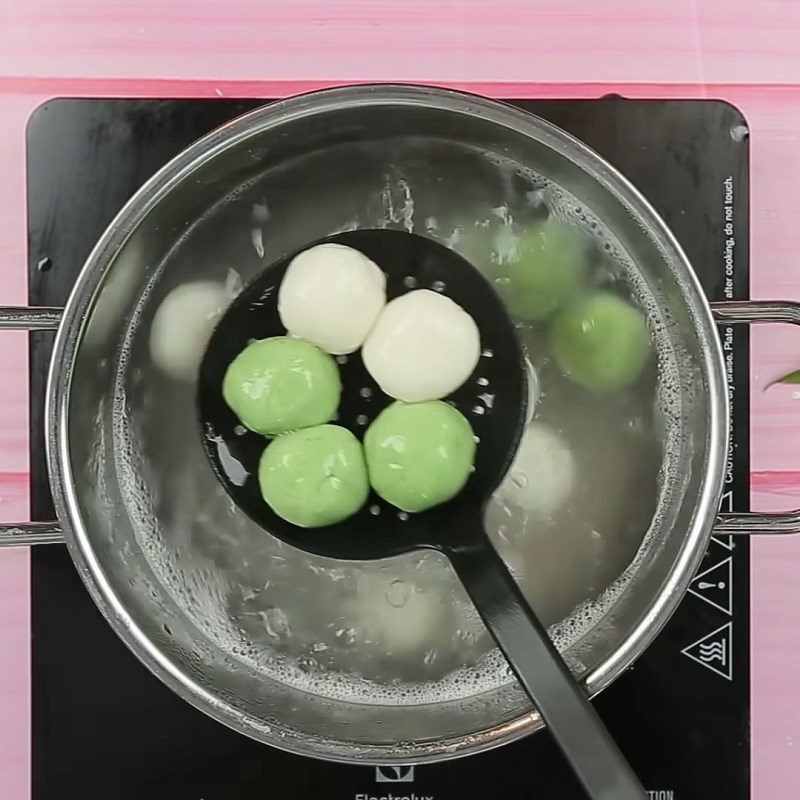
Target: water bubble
(479,410)
(257,238)
(347,635)
(375,510)
(487,353)
(398,593)
(402,516)
(483,381)
(362,419)
(275,623)
(438,286)
(260,212)
(365,392)
(535,197)
(307,664)
(454,239)
(410,282)
(341,359)
(636,424)
(520,480)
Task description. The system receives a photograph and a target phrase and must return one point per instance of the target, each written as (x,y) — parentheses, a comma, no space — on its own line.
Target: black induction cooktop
(105,729)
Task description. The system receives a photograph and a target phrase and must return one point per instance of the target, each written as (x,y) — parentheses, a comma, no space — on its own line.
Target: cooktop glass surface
(104,727)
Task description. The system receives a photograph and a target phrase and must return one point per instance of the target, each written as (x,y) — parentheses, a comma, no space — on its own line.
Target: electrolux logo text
(390,796)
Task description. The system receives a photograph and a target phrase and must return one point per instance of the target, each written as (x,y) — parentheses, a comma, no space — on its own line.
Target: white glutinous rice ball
(183,324)
(400,616)
(543,473)
(331,296)
(423,347)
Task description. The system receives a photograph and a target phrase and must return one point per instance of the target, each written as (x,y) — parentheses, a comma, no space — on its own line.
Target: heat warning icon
(714,651)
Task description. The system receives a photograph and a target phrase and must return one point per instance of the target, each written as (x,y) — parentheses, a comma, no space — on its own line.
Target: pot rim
(147,197)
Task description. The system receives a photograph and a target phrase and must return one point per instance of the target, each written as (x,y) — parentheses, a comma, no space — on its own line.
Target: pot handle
(17,534)
(731,312)
(749,312)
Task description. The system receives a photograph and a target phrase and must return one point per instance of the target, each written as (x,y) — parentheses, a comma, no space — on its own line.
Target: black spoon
(493,399)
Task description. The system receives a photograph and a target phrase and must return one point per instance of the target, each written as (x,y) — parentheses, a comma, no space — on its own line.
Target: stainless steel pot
(102,538)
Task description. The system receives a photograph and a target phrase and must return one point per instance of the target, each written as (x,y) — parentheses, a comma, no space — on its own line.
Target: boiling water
(400,630)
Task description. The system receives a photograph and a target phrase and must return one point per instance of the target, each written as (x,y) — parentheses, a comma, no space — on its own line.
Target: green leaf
(791,377)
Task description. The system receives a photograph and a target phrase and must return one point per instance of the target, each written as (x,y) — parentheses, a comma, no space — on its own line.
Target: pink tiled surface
(748,54)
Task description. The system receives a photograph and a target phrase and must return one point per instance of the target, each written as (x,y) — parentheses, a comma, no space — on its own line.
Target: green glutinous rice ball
(315,476)
(281,384)
(546,268)
(419,455)
(601,341)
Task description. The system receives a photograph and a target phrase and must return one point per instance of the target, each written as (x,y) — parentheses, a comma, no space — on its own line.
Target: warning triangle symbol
(725,541)
(715,585)
(714,651)
(726,504)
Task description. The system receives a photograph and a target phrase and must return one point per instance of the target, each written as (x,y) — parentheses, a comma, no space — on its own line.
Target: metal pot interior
(177,570)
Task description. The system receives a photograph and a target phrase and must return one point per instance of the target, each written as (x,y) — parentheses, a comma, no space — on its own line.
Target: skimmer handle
(574,724)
